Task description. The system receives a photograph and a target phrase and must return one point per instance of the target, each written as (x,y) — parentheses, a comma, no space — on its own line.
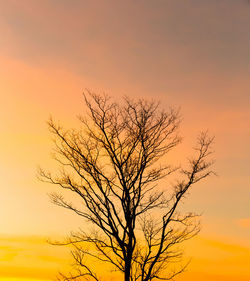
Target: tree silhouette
(116,164)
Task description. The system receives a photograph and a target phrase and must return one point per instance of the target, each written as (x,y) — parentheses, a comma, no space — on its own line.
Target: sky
(193,54)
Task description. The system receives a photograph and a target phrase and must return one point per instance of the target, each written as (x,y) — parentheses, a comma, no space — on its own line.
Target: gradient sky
(193,54)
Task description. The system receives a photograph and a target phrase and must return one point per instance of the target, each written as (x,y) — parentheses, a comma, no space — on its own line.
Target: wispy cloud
(30,258)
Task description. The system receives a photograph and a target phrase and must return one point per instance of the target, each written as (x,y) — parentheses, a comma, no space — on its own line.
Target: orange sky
(193,54)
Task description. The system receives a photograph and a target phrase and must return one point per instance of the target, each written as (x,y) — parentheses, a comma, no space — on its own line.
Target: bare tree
(116,164)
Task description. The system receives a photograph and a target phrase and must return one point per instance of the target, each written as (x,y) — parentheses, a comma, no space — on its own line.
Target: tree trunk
(127,270)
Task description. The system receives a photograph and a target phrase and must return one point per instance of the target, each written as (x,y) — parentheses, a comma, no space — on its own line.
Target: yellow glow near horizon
(22,279)
(32,259)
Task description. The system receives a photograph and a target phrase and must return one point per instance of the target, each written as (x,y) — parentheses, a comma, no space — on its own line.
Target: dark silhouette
(113,165)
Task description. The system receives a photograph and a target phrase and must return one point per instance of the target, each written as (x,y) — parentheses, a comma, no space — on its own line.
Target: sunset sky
(194,54)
